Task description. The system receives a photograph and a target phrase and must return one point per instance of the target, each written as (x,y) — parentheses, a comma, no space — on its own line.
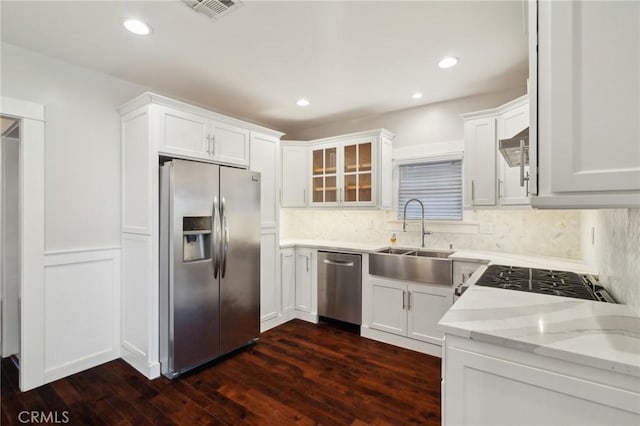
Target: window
(437,184)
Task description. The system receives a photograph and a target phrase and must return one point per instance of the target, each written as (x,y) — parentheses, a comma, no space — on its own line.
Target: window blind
(437,184)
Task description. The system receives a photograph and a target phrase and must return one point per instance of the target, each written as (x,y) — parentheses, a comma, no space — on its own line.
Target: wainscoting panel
(82,310)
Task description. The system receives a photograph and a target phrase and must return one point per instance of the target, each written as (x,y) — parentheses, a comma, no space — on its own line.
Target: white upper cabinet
(294,169)
(182,133)
(489,181)
(588,103)
(385,173)
(229,144)
(264,159)
(351,170)
(480,161)
(510,123)
(181,130)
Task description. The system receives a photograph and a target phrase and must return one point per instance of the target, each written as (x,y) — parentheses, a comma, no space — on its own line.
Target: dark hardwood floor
(298,373)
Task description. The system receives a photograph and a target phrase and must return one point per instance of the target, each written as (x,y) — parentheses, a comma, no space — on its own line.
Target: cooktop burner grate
(558,283)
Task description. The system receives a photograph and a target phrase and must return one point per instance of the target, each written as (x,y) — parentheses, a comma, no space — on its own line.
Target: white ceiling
(350,59)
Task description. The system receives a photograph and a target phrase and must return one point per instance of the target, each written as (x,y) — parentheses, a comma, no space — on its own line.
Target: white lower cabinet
(388,311)
(425,306)
(288,274)
(304,280)
(295,294)
(492,385)
(407,309)
(462,270)
(270,291)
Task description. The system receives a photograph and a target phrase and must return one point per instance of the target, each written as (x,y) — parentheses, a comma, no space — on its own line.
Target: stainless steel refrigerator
(209,262)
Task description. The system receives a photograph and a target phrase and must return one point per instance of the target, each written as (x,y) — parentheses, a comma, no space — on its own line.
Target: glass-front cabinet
(325,175)
(357,173)
(352,170)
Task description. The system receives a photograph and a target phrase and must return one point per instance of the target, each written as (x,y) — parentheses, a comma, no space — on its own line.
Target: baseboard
(276,321)
(403,342)
(151,371)
(79,365)
(306,316)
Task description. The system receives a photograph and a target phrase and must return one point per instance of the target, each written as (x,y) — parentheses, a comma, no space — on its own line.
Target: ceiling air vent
(213,9)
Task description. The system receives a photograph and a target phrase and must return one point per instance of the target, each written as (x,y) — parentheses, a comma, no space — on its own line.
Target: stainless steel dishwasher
(340,286)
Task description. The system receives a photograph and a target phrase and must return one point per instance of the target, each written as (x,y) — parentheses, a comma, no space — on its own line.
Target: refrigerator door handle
(216,237)
(225,242)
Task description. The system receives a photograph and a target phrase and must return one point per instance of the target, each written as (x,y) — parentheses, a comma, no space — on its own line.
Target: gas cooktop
(544,281)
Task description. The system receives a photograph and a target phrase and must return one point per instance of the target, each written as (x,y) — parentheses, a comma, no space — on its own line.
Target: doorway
(28,305)
(10,238)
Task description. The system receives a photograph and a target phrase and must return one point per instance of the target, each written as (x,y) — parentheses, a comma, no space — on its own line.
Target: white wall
(616,251)
(82,137)
(427,124)
(80,299)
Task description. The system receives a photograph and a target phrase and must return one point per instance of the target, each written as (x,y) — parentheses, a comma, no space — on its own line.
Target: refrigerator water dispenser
(196,238)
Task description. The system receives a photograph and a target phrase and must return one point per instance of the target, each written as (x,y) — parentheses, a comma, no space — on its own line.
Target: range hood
(516,149)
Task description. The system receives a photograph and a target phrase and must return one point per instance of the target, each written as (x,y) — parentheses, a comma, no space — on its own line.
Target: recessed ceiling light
(416,95)
(448,62)
(302,102)
(137,27)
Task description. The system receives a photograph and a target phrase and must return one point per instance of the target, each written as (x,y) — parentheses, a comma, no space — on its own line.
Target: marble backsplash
(617,253)
(524,231)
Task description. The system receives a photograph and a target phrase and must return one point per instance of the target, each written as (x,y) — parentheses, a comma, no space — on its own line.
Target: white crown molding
(153,98)
(498,110)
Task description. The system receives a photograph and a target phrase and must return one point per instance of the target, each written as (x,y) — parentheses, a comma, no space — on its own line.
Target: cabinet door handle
(522,178)
(404,295)
(213,145)
(208,144)
(307,260)
(408,301)
(473,191)
(499,189)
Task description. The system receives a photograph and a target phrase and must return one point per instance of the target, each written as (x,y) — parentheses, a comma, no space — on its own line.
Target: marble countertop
(543,262)
(462,255)
(334,245)
(597,334)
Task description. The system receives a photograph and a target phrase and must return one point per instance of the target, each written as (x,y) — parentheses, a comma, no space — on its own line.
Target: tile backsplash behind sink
(524,231)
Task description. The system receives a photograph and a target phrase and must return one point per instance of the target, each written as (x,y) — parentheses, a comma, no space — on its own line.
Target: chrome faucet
(404,218)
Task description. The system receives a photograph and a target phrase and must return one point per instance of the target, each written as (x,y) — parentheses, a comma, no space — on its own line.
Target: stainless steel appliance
(340,286)
(515,151)
(545,281)
(209,262)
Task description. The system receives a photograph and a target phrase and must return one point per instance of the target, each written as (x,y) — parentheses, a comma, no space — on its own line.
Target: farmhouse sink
(431,253)
(392,250)
(426,266)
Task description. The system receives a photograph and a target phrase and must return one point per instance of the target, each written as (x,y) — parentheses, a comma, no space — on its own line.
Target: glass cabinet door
(357,172)
(324,172)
